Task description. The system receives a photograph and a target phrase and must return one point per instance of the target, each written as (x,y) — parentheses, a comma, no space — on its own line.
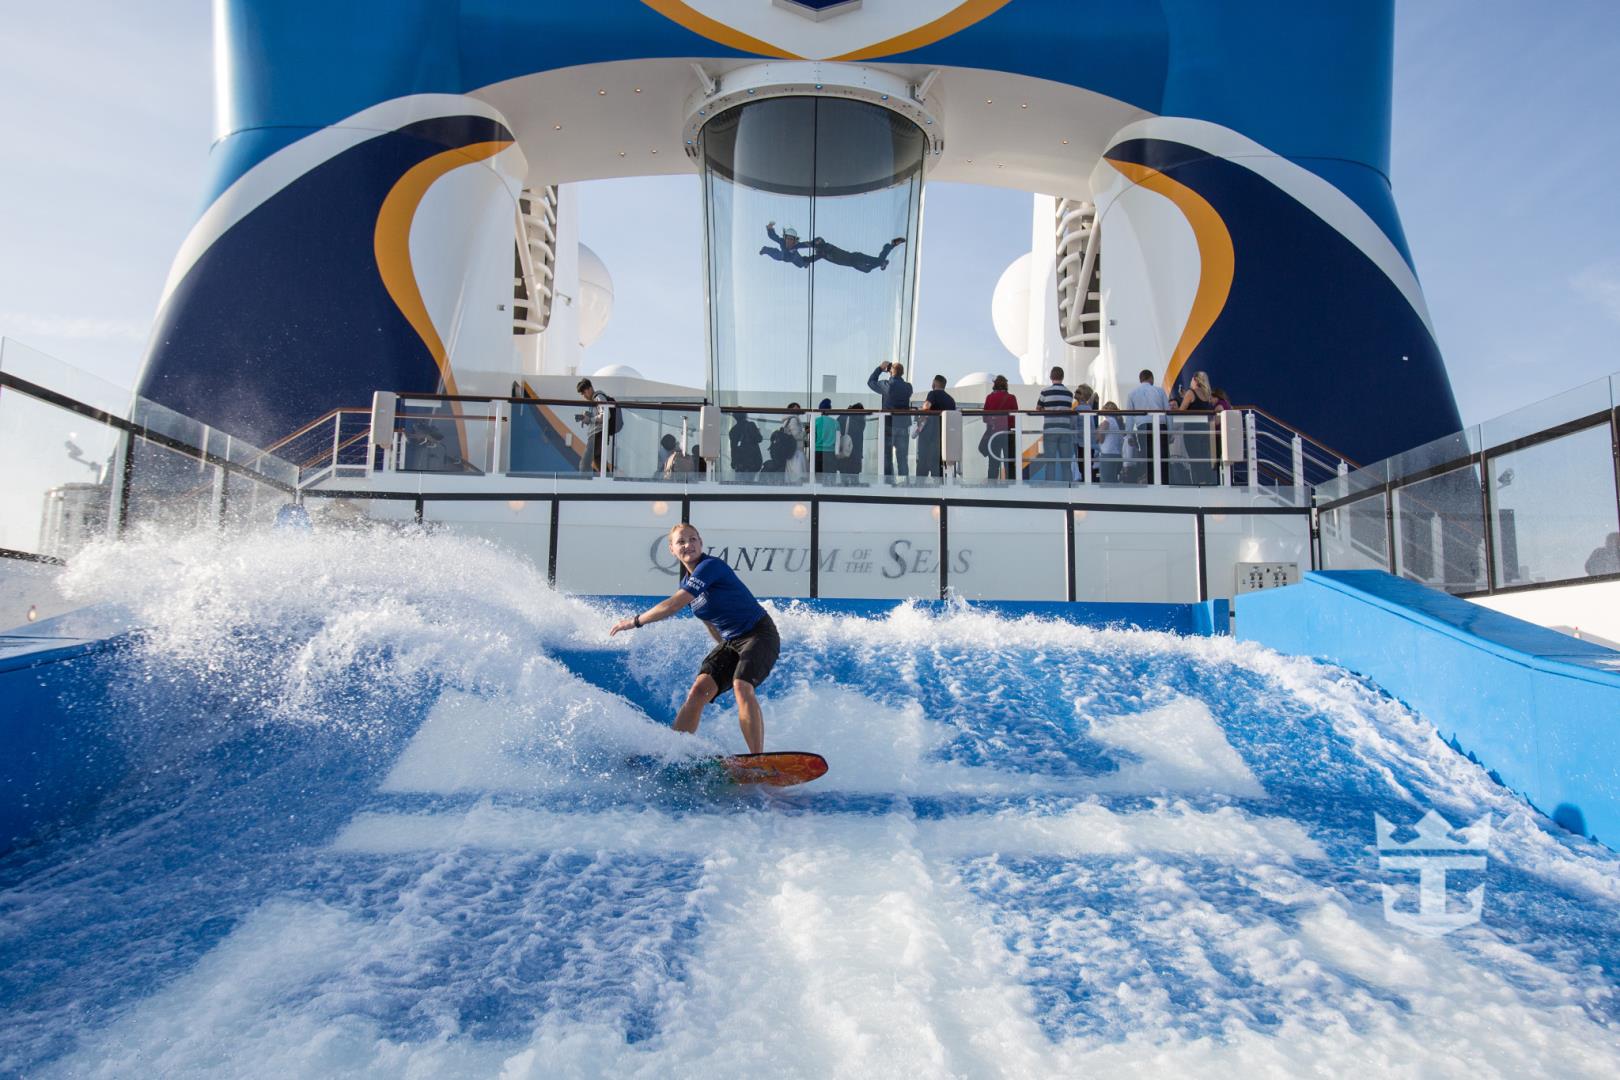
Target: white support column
(384,404)
(500,440)
(1158,449)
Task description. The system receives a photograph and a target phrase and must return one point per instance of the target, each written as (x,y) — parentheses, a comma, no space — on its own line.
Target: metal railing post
(1085,446)
(1158,450)
(1297,448)
(883,446)
(606,447)
(1016,450)
(500,439)
(1251,451)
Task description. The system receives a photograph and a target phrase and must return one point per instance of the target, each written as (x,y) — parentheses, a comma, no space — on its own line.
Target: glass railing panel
(1445,451)
(987,453)
(1232,539)
(1440,531)
(547,440)
(169,489)
(1355,535)
(1135,556)
(767,544)
(434,436)
(1553,510)
(1004,553)
(765,447)
(250,503)
(656,444)
(56,479)
(45,370)
(1572,404)
(875,551)
(1194,449)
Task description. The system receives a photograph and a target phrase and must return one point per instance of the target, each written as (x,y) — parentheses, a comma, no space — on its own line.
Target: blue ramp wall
(1538,708)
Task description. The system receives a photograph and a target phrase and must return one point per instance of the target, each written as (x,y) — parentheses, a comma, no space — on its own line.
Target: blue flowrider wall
(1538,708)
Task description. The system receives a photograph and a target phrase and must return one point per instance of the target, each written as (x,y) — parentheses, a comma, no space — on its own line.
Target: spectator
(826,432)
(1085,400)
(1198,435)
(1110,443)
(699,466)
(1222,402)
(676,465)
(929,458)
(1606,559)
(852,442)
(793,427)
(746,460)
(997,444)
(895,394)
(1145,397)
(592,420)
(1057,429)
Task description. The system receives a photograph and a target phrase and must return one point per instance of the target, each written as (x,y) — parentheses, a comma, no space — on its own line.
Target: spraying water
(375,826)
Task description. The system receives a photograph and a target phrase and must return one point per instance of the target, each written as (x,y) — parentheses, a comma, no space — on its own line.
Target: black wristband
(636,622)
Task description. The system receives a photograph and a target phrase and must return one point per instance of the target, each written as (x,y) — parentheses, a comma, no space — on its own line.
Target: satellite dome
(1009,306)
(616,371)
(595,296)
(977,378)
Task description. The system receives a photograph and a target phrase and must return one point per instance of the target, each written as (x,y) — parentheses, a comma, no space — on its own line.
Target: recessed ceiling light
(970,161)
(1025,105)
(621,153)
(989,101)
(601,93)
(1065,142)
(557,127)
(638,89)
(655,151)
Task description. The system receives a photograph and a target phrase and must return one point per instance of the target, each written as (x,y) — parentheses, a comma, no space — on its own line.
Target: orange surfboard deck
(777,770)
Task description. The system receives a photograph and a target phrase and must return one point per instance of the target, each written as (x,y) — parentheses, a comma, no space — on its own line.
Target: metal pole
(1203,560)
(1485,516)
(1016,450)
(1085,447)
(1298,463)
(1251,451)
(1158,451)
(815,548)
(551,543)
(1071,562)
(944,551)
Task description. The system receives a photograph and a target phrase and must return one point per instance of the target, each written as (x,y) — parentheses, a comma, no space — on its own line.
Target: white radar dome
(595,296)
(616,371)
(1009,306)
(978,378)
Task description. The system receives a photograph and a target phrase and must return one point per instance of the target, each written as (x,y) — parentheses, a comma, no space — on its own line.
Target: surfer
(746,642)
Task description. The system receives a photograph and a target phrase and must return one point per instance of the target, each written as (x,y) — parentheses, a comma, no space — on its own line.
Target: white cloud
(1600,283)
(69,327)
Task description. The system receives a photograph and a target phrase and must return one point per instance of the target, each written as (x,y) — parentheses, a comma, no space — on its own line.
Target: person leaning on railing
(1145,398)
(1198,397)
(997,443)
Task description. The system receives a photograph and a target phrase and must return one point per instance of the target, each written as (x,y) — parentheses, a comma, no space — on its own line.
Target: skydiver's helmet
(790,233)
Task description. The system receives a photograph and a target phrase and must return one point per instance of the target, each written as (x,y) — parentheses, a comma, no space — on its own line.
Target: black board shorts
(749,657)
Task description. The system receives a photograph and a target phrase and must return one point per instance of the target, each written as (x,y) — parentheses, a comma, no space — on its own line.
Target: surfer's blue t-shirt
(720,598)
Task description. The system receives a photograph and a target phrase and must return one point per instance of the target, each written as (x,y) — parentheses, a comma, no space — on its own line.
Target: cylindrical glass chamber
(811,209)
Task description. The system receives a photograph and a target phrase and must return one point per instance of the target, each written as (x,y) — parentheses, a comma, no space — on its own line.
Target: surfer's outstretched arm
(661,610)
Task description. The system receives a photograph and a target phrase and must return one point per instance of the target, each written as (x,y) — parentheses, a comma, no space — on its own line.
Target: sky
(1504,163)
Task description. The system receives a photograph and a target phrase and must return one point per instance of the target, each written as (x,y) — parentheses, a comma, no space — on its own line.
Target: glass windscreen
(812,208)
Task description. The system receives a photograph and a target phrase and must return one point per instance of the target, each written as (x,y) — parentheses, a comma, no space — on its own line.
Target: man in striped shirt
(1057,430)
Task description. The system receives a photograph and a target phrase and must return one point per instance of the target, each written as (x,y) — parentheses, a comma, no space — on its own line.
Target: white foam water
(1041,850)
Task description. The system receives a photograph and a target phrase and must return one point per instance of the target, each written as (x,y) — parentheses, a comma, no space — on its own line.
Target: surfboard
(781,769)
